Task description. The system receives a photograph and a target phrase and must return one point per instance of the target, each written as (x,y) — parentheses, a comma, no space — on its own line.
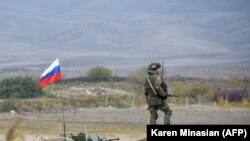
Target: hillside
(123,33)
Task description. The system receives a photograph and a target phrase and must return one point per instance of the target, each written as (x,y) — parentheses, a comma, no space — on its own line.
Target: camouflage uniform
(158,100)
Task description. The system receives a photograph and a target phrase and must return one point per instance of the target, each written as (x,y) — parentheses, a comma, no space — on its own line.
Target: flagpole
(64,134)
(59,118)
(50,75)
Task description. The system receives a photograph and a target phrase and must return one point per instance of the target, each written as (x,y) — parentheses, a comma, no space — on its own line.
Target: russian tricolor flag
(51,74)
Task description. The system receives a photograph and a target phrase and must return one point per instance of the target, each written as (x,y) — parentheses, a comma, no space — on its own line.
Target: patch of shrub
(19,87)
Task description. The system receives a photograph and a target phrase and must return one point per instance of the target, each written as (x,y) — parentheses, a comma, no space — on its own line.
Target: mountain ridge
(185,32)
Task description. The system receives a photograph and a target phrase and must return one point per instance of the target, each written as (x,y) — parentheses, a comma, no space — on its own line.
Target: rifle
(164,85)
(171,95)
(105,139)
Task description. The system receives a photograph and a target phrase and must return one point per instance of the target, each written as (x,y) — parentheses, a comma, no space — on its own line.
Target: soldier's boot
(167,117)
(153,119)
(153,115)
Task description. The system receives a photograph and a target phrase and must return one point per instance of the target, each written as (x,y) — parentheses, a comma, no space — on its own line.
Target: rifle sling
(151,86)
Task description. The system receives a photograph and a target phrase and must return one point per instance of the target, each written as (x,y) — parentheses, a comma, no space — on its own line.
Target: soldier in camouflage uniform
(156,94)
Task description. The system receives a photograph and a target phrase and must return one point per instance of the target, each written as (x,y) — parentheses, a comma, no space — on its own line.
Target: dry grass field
(127,124)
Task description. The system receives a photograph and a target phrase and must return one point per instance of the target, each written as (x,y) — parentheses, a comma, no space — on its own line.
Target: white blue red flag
(51,74)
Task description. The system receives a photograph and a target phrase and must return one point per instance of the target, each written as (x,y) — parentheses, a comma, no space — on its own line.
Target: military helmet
(154,66)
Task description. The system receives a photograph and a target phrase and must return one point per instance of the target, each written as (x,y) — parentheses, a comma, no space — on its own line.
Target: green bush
(19,87)
(99,73)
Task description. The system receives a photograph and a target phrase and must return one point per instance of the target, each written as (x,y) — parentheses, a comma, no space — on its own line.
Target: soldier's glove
(164,97)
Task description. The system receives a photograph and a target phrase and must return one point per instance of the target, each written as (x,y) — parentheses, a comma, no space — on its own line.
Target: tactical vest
(151,95)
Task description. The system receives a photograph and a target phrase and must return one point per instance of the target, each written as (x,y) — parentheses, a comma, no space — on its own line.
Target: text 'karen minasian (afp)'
(222,132)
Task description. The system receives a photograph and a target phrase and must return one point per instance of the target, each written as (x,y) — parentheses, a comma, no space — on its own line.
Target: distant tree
(177,89)
(98,73)
(19,87)
(199,90)
(236,82)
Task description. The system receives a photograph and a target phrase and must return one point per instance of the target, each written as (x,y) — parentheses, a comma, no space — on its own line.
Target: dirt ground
(128,124)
